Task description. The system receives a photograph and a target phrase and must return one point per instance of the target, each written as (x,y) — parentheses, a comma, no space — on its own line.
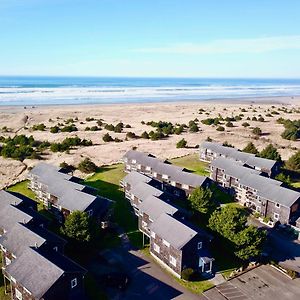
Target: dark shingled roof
(247,158)
(154,207)
(70,194)
(173,231)
(38,271)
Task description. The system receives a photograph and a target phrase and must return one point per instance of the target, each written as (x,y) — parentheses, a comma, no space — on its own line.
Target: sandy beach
(19,120)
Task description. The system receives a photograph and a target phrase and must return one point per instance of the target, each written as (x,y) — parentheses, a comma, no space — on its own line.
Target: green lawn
(22,188)
(296,184)
(192,163)
(107,181)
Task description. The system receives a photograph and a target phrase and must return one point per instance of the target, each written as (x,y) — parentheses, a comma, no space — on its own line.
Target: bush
(293,163)
(107,138)
(87,166)
(54,129)
(40,127)
(245,124)
(131,135)
(181,144)
(69,128)
(257,131)
(229,124)
(145,135)
(220,128)
(187,274)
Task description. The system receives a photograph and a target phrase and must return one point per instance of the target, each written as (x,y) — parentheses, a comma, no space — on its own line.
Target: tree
(270,152)
(78,227)
(228,221)
(293,163)
(284,178)
(245,124)
(145,135)
(256,131)
(201,199)
(87,166)
(249,242)
(181,144)
(250,148)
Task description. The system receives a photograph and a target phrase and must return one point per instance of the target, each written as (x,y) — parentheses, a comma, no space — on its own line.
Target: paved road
(284,250)
(147,279)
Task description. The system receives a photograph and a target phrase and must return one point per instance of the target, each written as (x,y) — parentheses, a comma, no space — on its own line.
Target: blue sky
(190,38)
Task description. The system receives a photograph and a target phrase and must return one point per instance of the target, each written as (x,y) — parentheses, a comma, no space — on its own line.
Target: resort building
(33,263)
(172,241)
(176,180)
(177,246)
(62,193)
(208,151)
(262,194)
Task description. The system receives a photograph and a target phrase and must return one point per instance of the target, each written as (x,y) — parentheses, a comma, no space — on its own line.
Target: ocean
(34,90)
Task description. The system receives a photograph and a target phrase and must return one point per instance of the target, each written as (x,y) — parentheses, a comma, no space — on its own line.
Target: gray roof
(134,177)
(142,190)
(246,158)
(10,215)
(154,207)
(259,182)
(7,199)
(232,167)
(33,271)
(17,239)
(173,231)
(175,173)
(281,195)
(188,178)
(70,194)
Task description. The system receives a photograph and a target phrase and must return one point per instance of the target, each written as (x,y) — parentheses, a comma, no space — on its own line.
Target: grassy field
(22,188)
(107,181)
(192,163)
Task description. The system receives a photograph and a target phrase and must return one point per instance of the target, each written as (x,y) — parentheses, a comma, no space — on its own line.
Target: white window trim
(153,234)
(73,283)
(277,205)
(156,248)
(276,214)
(7,261)
(55,248)
(18,294)
(173,261)
(166,243)
(199,246)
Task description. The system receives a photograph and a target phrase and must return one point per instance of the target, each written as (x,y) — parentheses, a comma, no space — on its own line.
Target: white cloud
(227,46)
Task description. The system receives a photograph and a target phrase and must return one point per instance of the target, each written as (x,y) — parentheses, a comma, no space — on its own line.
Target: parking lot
(262,283)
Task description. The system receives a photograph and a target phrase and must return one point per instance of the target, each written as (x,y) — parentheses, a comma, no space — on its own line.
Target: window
(73,282)
(90,212)
(153,234)
(55,248)
(276,216)
(139,166)
(7,261)
(144,224)
(156,248)
(134,161)
(19,295)
(277,205)
(166,243)
(258,208)
(173,183)
(154,174)
(148,168)
(199,245)
(172,261)
(165,176)
(185,186)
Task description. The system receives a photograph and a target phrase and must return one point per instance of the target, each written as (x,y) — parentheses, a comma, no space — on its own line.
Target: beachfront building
(208,151)
(33,264)
(264,195)
(177,246)
(175,180)
(62,193)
